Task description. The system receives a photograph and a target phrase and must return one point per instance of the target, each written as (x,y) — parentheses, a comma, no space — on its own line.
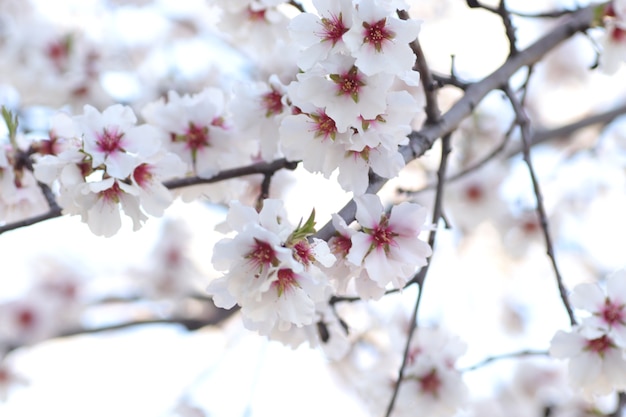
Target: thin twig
(297,5)
(564,131)
(509,29)
(420,277)
(524,124)
(258,168)
(511,355)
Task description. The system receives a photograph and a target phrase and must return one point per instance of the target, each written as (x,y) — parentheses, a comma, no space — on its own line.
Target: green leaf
(12,123)
(303,230)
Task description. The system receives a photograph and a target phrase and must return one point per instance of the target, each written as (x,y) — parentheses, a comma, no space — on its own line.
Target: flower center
(109,141)
(599,345)
(382,236)
(324,125)
(26,318)
(256,15)
(376,33)
(348,83)
(143,175)
(112,194)
(612,313)
(333,28)
(303,252)
(340,244)
(474,193)
(272,102)
(261,256)
(430,383)
(286,279)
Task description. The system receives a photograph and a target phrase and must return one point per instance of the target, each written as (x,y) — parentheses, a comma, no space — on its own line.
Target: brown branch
(564,131)
(524,124)
(266,168)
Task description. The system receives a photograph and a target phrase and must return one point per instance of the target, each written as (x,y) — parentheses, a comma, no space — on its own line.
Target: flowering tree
(470,187)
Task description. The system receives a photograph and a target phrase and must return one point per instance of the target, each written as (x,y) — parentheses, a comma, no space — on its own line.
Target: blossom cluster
(596,348)
(108,163)
(351,109)
(282,280)
(272,270)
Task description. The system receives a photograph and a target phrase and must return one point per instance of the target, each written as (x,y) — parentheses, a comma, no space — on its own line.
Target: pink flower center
(333,28)
(4,377)
(612,313)
(340,245)
(599,345)
(109,141)
(272,102)
(382,236)
(377,33)
(143,175)
(261,256)
(197,137)
(618,35)
(324,125)
(26,318)
(430,383)
(256,15)
(112,194)
(286,279)
(474,193)
(303,252)
(349,83)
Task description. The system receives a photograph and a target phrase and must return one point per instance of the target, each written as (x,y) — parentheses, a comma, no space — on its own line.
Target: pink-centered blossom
(113,139)
(388,246)
(607,307)
(322,35)
(380,41)
(344,92)
(596,363)
(271,270)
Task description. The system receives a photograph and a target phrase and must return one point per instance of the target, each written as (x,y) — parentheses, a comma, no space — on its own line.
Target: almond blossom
(108,163)
(607,307)
(271,270)
(380,42)
(322,35)
(388,246)
(596,363)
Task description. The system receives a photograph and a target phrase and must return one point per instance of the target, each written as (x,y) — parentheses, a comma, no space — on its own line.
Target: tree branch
(524,124)
(265,168)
